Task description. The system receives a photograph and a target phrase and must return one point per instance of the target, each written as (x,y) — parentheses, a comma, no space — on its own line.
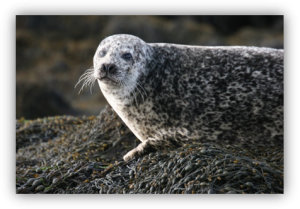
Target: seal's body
(167,94)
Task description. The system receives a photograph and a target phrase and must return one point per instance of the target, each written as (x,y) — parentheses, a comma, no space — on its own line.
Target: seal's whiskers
(141,88)
(131,89)
(138,87)
(88,78)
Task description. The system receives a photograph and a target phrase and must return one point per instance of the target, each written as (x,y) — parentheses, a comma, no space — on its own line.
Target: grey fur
(167,94)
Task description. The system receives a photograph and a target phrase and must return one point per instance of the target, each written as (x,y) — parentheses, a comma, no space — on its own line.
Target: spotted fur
(167,94)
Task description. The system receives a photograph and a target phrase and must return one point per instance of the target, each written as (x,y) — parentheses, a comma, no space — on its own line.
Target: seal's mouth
(107,80)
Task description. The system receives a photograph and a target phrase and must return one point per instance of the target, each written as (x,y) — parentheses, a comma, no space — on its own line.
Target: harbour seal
(167,93)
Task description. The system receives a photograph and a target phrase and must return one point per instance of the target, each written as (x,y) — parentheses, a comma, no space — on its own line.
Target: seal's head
(119,60)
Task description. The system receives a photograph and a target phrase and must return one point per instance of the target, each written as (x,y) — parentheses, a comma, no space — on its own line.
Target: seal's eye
(127,56)
(102,53)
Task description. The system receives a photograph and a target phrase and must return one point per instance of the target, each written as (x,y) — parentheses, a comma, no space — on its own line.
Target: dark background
(52,52)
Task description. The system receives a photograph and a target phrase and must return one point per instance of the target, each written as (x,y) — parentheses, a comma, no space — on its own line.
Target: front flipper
(151,145)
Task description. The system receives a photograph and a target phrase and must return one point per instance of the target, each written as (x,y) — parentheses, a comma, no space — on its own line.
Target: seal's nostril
(109,68)
(112,68)
(103,69)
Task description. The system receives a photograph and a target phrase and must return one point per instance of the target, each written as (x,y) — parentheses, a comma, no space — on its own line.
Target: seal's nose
(108,68)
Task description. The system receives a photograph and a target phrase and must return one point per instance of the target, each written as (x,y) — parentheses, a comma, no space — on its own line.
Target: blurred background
(52,52)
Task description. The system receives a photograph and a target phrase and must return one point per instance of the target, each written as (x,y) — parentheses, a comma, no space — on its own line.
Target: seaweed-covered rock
(84,156)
